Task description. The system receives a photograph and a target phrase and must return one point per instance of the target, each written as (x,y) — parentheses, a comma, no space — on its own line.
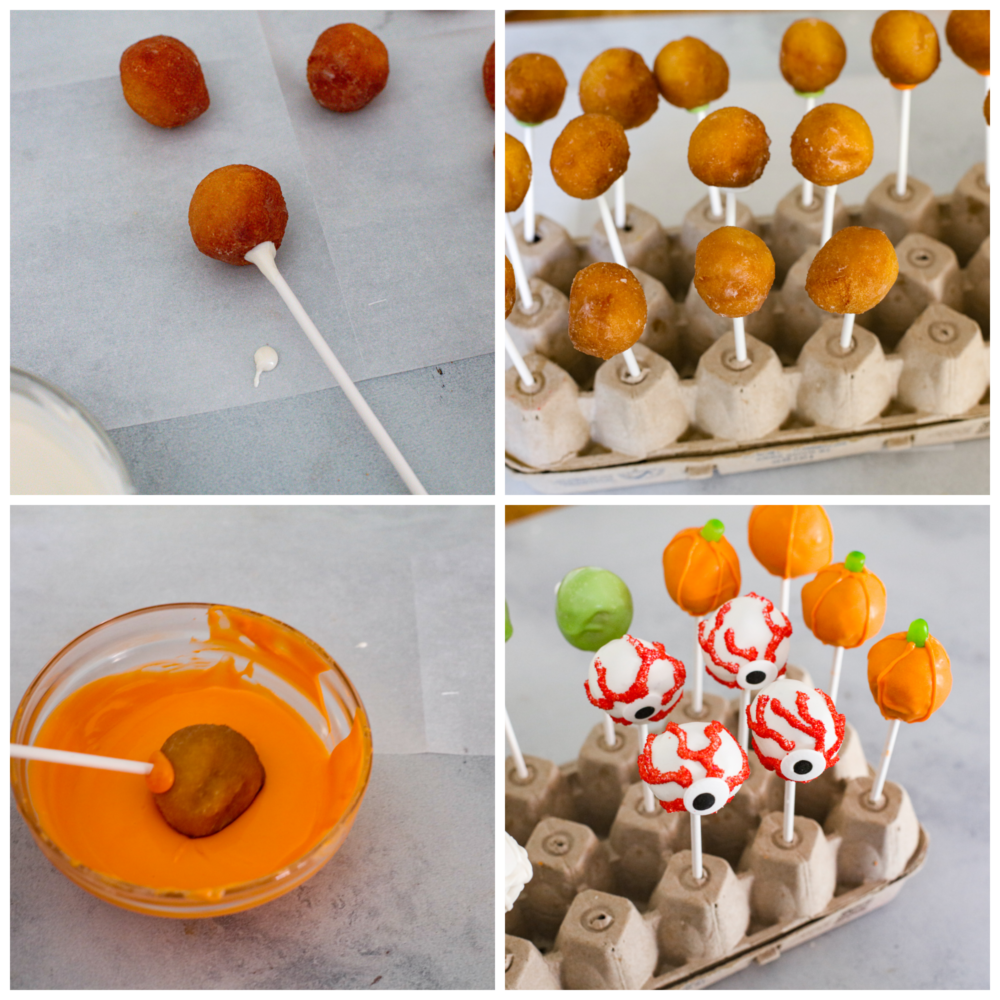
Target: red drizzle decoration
(639,689)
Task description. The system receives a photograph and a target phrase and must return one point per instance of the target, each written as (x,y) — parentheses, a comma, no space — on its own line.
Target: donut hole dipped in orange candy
(968,34)
(516,172)
(909,674)
(690,74)
(844,604)
(853,271)
(162,81)
(790,540)
(490,76)
(729,148)
(701,569)
(619,84)
(812,55)
(510,286)
(534,88)
(607,310)
(733,271)
(832,144)
(589,155)
(905,47)
(347,68)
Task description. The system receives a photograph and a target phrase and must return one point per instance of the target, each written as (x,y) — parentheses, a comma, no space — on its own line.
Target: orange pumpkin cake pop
(909,674)
(690,74)
(853,271)
(607,310)
(844,604)
(534,88)
(162,81)
(701,569)
(812,55)
(517,173)
(729,149)
(733,271)
(968,34)
(832,144)
(589,155)
(790,540)
(619,84)
(905,47)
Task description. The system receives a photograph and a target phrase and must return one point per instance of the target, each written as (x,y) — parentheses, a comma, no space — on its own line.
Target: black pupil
(704,801)
(644,713)
(755,676)
(802,767)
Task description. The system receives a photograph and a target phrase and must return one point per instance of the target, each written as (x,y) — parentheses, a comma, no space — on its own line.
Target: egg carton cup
(917,374)
(613,903)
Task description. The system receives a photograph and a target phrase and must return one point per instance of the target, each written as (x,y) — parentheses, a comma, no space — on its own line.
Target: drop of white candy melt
(266,360)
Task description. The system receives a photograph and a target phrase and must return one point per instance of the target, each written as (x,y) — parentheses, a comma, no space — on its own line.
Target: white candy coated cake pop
(796,730)
(517,870)
(746,642)
(634,681)
(696,767)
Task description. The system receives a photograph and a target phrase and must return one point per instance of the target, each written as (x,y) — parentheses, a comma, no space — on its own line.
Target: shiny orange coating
(905,47)
(619,84)
(162,82)
(690,74)
(790,540)
(534,87)
(907,681)
(490,76)
(347,68)
(234,209)
(968,34)
(853,271)
(812,55)
(700,575)
(729,148)
(517,173)
(510,286)
(733,271)
(607,310)
(589,155)
(843,608)
(832,144)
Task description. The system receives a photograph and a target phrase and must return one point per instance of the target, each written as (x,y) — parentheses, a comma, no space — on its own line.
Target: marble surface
(934,563)
(403,598)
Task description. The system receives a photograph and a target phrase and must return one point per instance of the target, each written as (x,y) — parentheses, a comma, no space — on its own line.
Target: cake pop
(509,287)
(690,74)
(517,173)
(634,681)
(534,87)
(162,81)
(607,310)
(517,871)
(812,55)
(347,68)
(593,606)
(968,34)
(489,75)
(701,569)
(589,155)
(618,83)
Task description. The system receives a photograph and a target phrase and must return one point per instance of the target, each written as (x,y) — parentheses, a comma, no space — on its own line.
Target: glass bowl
(172,633)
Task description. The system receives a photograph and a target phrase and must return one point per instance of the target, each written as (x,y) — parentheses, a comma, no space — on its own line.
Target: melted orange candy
(109,822)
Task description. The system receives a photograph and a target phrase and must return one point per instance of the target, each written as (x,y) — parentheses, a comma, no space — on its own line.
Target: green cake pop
(593,606)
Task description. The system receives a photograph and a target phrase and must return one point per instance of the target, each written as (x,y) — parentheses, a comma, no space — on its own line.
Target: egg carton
(613,903)
(917,375)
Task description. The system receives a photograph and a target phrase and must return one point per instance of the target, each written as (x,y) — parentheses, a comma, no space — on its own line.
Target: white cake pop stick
(829,203)
(714,198)
(648,799)
(699,670)
(883,767)
(263,256)
(515,749)
(619,256)
(742,733)
(609,731)
(740,336)
(529,198)
(515,356)
(838,659)
(788,826)
(620,219)
(23,752)
(520,277)
(730,207)
(807,185)
(904,143)
(846,331)
(786,593)
(697,869)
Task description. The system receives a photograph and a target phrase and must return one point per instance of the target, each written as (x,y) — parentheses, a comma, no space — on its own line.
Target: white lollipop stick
(730,207)
(609,732)
(648,800)
(24,752)
(714,198)
(743,734)
(515,749)
(529,198)
(620,202)
(699,669)
(788,827)
(263,256)
(883,768)
(904,144)
(619,256)
(696,865)
(786,593)
(520,277)
(518,361)
(846,329)
(838,659)
(829,202)
(740,335)
(807,186)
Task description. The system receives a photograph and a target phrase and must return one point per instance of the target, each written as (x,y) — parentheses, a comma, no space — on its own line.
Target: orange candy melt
(844,608)
(700,575)
(907,681)
(790,540)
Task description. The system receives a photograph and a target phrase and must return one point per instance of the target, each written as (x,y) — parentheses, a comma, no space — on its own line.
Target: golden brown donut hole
(510,286)
(690,74)
(733,271)
(832,144)
(853,271)
(986,107)
(347,68)
(517,173)
(619,84)
(534,88)
(905,47)
(234,209)
(968,34)
(812,55)
(162,81)
(489,76)
(730,148)
(607,310)
(589,155)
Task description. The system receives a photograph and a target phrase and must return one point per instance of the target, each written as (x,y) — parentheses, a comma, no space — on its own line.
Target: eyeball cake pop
(534,87)
(832,144)
(607,310)
(690,74)
(905,47)
(634,681)
(589,155)
(733,271)
(510,286)
(517,173)
(490,75)
(696,767)
(968,34)
(844,604)
(797,730)
(619,84)
(729,149)
(593,606)
(812,55)
(909,674)
(701,569)
(347,68)
(517,871)
(162,82)
(853,271)
(746,642)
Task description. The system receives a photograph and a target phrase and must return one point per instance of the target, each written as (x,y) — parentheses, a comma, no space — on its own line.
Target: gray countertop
(934,562)
(403,598)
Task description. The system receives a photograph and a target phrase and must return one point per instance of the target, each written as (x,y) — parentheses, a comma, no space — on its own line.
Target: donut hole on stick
(812,55)
(589,155)
(619,84)
(905,47)
(690,74)
(534,88)
(607,310)
(729,148)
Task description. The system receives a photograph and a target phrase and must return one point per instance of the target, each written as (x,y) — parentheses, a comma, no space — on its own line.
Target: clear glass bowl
(165,633)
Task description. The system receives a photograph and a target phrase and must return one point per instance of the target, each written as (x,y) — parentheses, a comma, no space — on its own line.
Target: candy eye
(706,796)
(754,676)
(645,712)
(803,765)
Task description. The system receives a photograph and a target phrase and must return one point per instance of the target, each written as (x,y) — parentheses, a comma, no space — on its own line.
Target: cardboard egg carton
(917,374)
(613,903)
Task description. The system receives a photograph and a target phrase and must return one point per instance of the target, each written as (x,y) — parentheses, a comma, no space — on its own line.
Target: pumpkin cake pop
(607,310)
(589,155)
(490,75)
(729,149)
(619,84)
(690,74)
(701,569)
(517,173)
(534,88)
(162,82)
(790,540)
(909,674)
(905,47)
(832,144)
(853,272)
(812,55)
(347,68)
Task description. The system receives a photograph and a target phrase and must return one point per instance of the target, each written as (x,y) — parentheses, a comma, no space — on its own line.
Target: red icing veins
(639,689)
(778,634)
(804,723)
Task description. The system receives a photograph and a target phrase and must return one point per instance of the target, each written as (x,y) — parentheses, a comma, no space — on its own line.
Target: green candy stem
(697,110)
(817,93)
(507,628)
(855,561)
(918,633)
(713,530)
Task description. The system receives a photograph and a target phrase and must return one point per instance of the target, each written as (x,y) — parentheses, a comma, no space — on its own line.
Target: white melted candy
(266,360)
(517,870)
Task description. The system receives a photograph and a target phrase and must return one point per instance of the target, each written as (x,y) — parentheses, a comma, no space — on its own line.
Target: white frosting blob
(665,758)
(735,640)
(784,692)
(622,663)
(517,870)
(266,360)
